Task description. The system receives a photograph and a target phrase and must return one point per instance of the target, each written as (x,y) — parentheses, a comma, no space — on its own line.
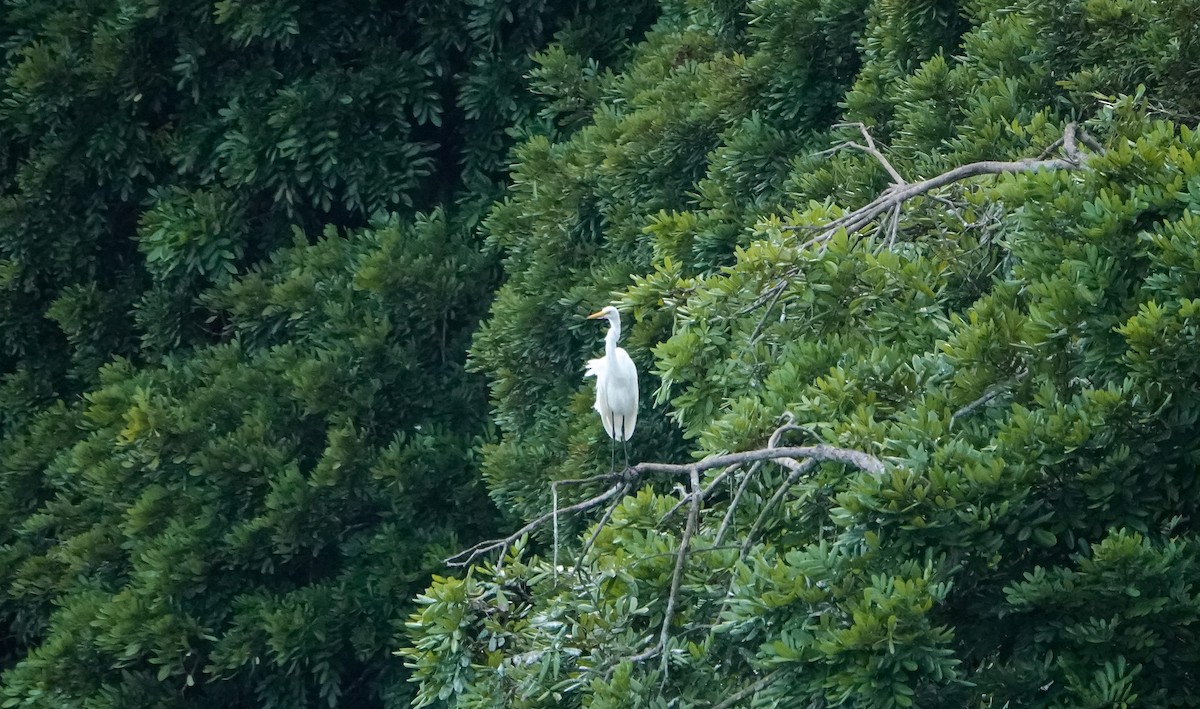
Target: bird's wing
(598,368)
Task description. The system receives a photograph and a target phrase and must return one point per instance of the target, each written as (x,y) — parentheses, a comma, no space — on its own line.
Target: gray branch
(901,191)
(761,684)
(788,457)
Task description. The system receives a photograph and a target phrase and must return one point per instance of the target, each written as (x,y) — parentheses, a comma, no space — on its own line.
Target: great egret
(616,385)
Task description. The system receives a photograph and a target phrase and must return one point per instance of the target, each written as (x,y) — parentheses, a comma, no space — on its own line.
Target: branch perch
(621,482)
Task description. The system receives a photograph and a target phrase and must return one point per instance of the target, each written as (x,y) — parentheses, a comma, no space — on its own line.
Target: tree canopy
(1010,349)
(292,303)
(238,275)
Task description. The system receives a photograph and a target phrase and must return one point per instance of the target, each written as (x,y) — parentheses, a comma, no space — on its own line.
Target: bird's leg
(625,442)
(612,455)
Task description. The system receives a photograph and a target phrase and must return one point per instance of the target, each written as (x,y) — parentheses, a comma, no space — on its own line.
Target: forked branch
(618,483)
(901,191)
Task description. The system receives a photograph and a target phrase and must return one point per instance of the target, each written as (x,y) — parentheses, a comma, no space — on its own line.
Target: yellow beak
(595,315)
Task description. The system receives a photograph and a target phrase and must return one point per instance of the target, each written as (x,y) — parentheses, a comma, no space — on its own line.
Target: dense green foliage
(261,262)
(237,526)
(149,150)
(1020,357)
(238,276)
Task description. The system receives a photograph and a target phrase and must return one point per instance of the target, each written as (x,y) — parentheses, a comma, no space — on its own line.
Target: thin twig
(554,511)
(719,479)
(951,207)
(988,395)
(802,469)
(1050,149)
(692,552)
(761,684)
(767,313)
(608,513)
(685,499)
(685,541)
(895,195)
(767,295)
(871,150)
(467,556)
(733,504)
(991,393)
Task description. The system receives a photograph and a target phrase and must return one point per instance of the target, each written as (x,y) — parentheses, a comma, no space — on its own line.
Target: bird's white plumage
(616,382)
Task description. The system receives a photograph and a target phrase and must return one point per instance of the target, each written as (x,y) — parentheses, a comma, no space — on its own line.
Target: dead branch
(988,395)
(468,556)
(772,442)
(761,684)
(900,192)
(599,527)
(869,149)
(625,480)
(685,541)
(733,504)
(822,453)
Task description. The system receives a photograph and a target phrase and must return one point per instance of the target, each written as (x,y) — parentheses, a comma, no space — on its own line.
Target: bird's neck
(610,340)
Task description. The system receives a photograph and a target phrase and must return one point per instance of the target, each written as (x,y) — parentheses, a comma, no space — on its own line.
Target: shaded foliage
(148,151)
(243,526)
(237,279)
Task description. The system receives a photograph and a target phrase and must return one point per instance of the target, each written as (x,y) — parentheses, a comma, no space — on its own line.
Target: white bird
(616,384)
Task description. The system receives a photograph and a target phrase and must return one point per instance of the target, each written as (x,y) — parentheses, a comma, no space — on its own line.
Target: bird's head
(608,312)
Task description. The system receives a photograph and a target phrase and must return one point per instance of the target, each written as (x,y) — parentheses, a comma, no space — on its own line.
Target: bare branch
(988,395)
(719,479)
(767,295)
(608,513)
(467,556)
(801,469)
(788,426)
(733,504)
(770,306)
(991,393)
(1050,149)
(896,195)
(761,684)
(871,150)
(685,541)
(823,453)
(554,522)
(789,457)
(1092,144)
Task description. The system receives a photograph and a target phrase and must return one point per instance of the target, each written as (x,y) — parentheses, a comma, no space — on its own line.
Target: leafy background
(292,300)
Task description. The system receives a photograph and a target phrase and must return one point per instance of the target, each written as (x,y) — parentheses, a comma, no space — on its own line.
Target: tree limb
(900,192)
(628,478)
(823,453)
(467,556)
